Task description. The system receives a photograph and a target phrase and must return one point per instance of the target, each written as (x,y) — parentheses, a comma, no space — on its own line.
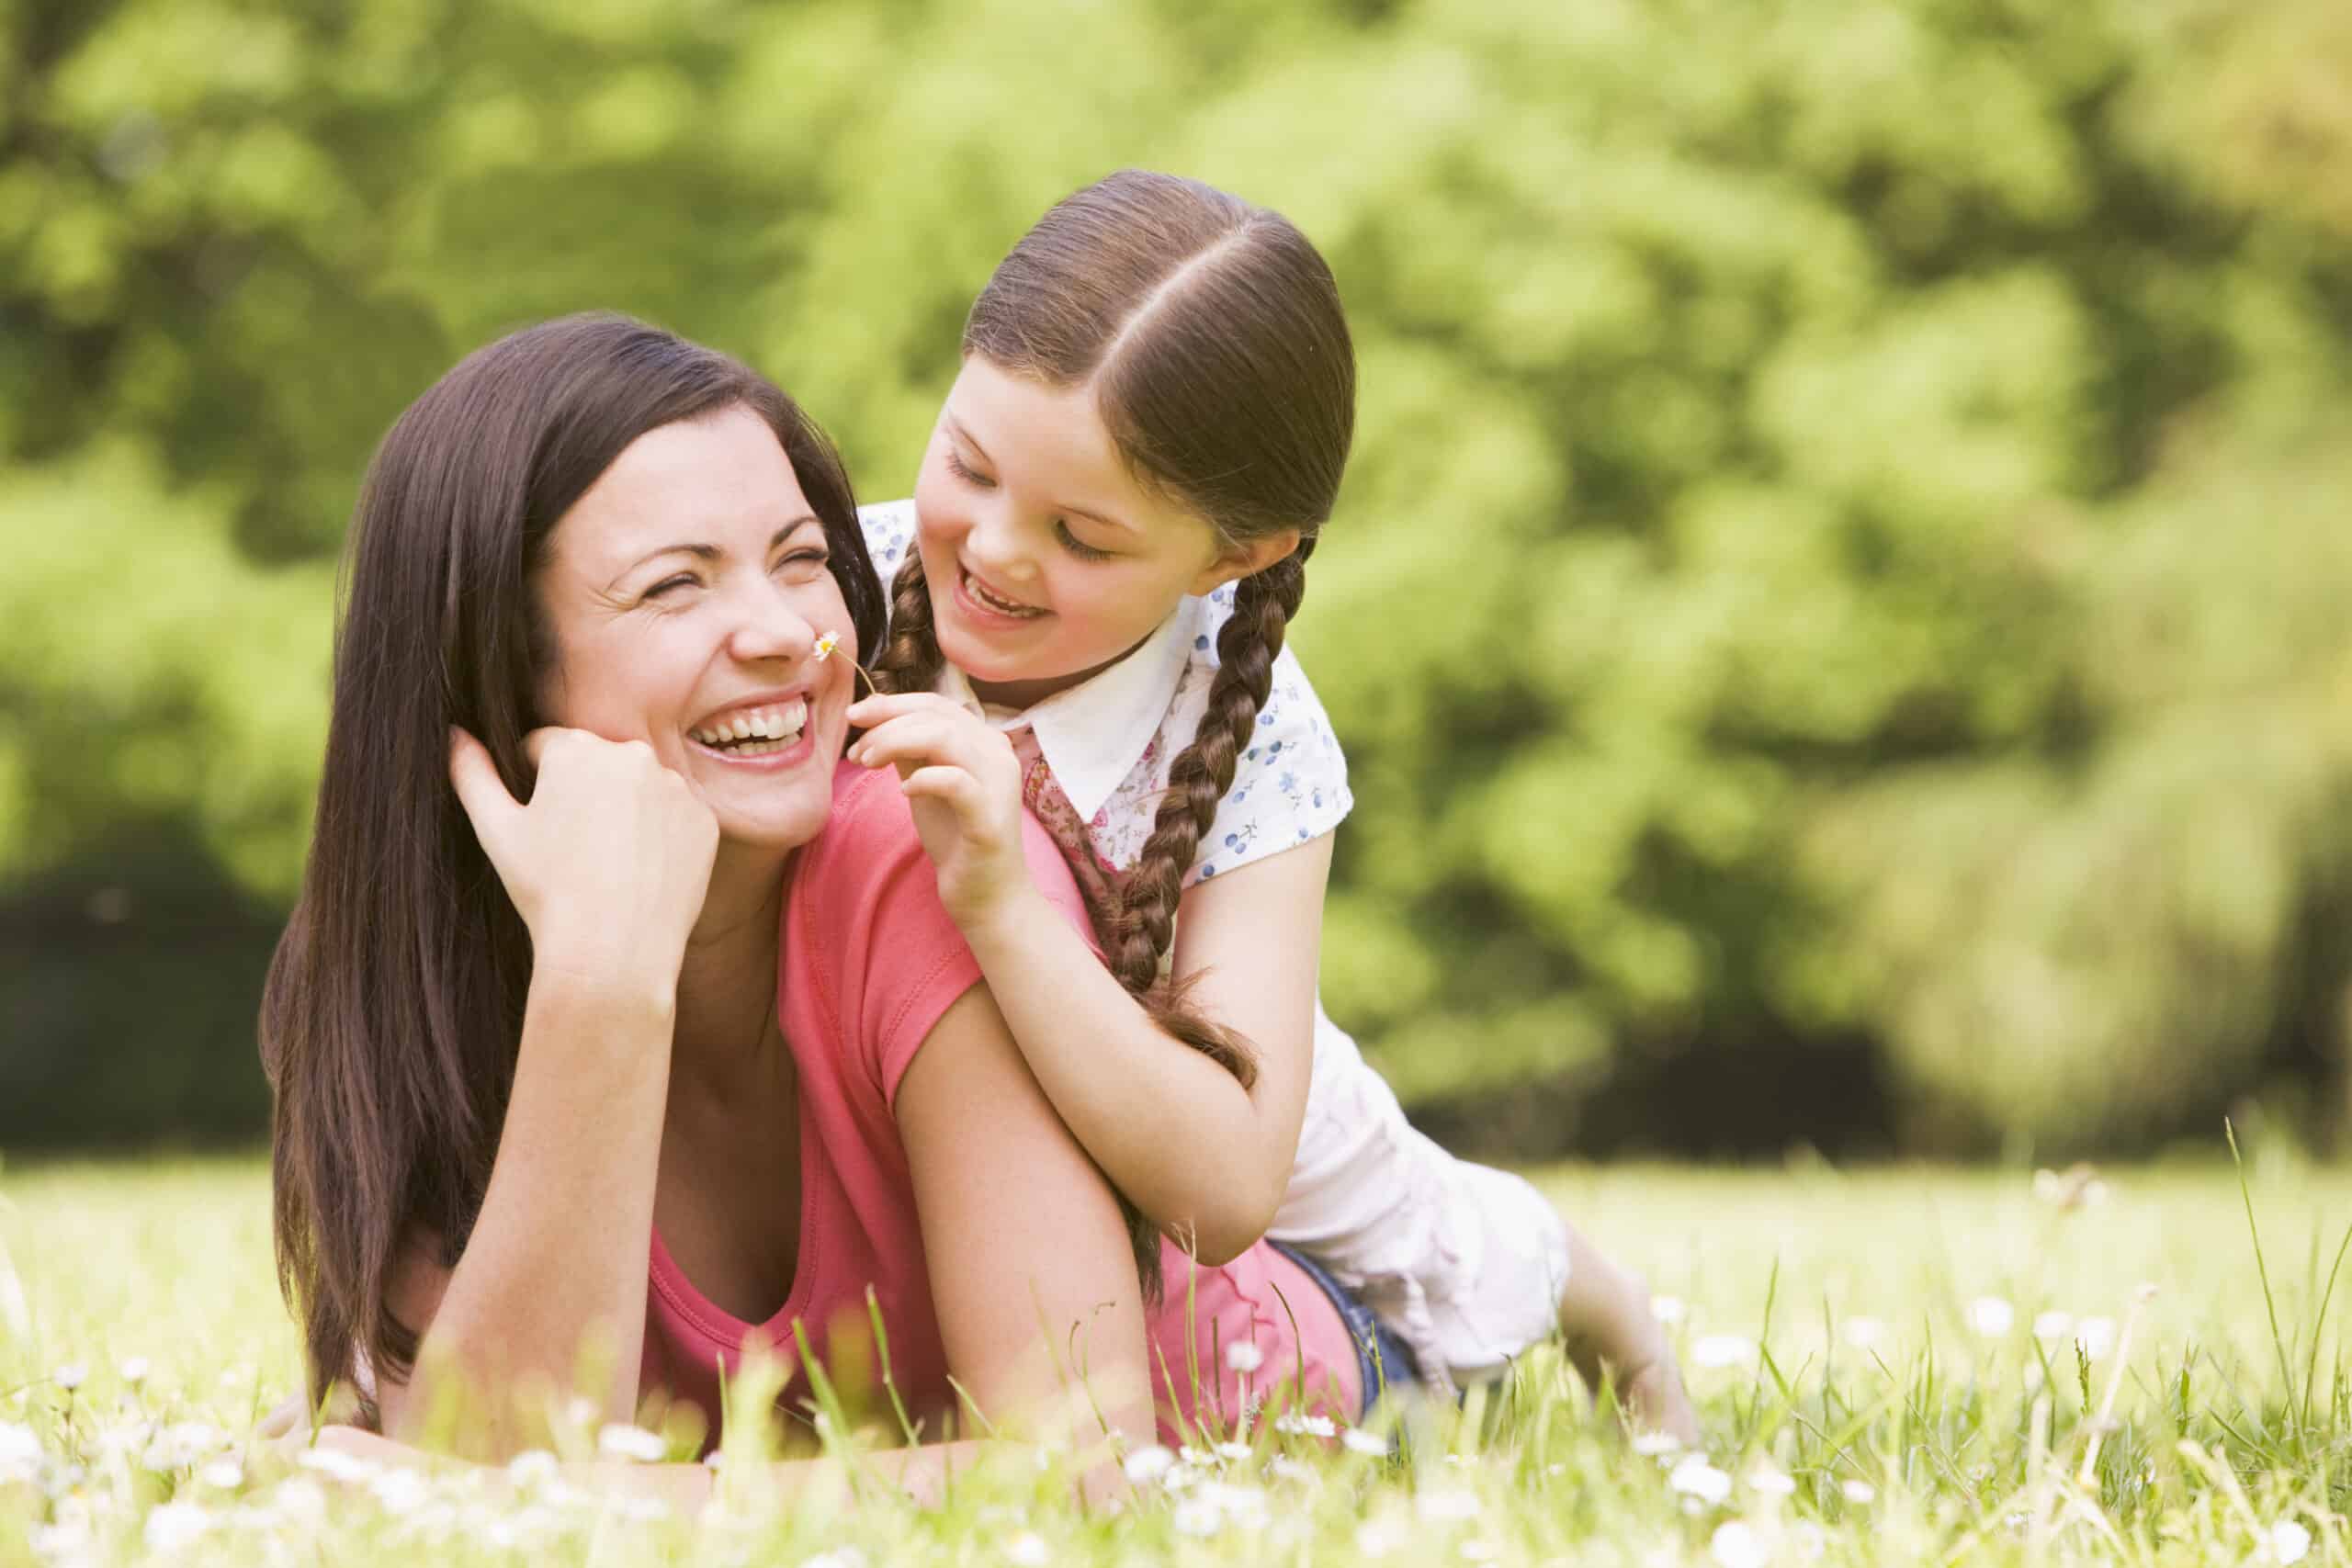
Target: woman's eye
(804,558)
(666,585)
(1079,546)
(956,466)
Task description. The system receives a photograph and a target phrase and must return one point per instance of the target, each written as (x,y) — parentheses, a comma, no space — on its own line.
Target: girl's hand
(609,863)
(965,782)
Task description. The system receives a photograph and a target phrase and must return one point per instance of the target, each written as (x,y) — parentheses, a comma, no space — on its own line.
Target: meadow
(1899,1364)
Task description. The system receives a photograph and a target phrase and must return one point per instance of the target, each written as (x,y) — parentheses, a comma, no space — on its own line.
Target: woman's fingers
(482,792)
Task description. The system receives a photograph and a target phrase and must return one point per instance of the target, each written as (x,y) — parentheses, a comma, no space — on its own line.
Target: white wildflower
(400,1489)
(581,1411)
(1298,1425)
(825,646)
(618,1439)
(1196,1517)
(1991,1316)
(174,1526)
(134,1371)
(1241,1505)
(1241,1356)
(533,1468)
(1657,1445)
(1448,1506)
(1357,1440)
(2052,1325)
(19,1449)
(1859,1492)
(2287,1541)
(1694,1477)
(1198,1458)
(1378,1538)
(336,1465)
(1864,1333)
(1718,1351)
(1669,1310)
(183,1444)
(226,1474)
(1234,1451)
(1027,1549)
(1767,1480)
(1736,1545)
(2096,1336)
(1289,1469)
(1149,1463)
(70,1376)
(298,1499)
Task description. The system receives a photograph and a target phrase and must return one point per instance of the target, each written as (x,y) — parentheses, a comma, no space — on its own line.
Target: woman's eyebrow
(703,552)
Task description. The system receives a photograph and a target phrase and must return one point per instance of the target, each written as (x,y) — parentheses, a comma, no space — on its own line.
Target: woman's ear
(1238,560)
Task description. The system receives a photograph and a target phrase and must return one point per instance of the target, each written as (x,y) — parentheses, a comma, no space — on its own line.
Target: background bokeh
(1841,614)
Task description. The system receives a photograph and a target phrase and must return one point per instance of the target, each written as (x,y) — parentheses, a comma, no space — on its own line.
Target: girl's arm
(1031,1272)
(1207,1158)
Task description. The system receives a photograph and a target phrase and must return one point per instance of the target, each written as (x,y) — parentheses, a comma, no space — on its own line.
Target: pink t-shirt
(870,960)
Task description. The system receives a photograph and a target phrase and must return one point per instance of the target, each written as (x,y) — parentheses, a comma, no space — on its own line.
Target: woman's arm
(1031,1274)
(1207,1158)
(555,1267)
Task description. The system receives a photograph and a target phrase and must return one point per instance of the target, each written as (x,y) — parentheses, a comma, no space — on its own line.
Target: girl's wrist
(1004,916)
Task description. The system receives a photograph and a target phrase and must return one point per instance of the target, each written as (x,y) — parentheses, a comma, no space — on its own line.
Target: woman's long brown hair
(1211,334)
(394,1005)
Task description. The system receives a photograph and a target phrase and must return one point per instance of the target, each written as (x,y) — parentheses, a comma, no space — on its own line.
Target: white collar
(1092,734)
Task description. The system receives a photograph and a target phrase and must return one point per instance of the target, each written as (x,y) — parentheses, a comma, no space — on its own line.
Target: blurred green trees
(1846,538)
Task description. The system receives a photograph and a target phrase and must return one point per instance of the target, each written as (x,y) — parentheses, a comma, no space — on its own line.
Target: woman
(659,1061)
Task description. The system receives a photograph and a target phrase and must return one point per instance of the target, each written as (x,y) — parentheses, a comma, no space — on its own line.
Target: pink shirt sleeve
(901,963)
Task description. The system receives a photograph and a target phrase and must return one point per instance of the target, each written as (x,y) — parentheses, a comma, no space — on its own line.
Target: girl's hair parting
(393,1007)
(1211,333)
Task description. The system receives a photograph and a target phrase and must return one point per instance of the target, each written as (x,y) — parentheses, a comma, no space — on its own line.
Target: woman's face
(684,595)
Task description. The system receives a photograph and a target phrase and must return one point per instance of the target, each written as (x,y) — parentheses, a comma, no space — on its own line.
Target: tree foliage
(1844,537)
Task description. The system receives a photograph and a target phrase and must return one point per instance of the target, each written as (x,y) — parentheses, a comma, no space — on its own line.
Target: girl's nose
(994,545)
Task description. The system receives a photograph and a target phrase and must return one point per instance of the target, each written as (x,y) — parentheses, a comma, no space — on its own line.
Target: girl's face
(1046,559)
(684,593)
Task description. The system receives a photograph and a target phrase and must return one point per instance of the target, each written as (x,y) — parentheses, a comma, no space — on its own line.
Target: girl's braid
(1263,604)
(910,660)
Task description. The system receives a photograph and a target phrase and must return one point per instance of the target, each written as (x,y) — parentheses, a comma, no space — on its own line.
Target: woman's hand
(965,782)
(610,861)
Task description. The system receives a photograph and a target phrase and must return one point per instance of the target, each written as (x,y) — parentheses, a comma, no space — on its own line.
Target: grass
(1876,1367)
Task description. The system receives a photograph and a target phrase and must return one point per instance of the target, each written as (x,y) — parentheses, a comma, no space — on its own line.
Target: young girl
(1107,539)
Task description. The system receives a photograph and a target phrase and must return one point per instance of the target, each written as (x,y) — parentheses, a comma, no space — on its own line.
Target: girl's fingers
(870,711)
(928,738)
(952,787)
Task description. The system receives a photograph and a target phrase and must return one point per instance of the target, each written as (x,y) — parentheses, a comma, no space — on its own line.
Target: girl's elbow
(1230,1227)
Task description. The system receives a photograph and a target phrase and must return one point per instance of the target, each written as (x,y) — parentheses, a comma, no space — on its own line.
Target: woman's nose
(767,627)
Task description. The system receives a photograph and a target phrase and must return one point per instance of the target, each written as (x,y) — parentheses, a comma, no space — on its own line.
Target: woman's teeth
(1001,606)
(755,732)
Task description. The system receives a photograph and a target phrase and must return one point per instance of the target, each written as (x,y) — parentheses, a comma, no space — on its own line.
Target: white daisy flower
(70,1376)
(2287,1541)
(1445,1505)
(618,1439)
(134,1371)
(1767,1480)
(1694,1477)
(1355,1440)
(1242,1356)
(1027,1549)
(1657,1445)
(1720,1351)
(1196,1516)
(1298,1425)
(1859,1492)
(1149,1463)
(1669,1310)
(1864,1333)
(174,1526)
(2052,1325)
(1991,1316)
(1736,1545)
(2096,1336)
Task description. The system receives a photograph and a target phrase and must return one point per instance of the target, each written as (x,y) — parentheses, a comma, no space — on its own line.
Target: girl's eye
(956,466)
(1076,546)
